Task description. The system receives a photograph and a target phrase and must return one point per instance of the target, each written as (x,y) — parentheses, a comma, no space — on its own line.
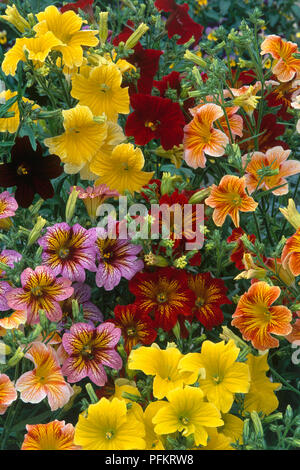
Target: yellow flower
(186,412)
(100,89)
(175,154)
(217,441)
(11,124)
(224,376)
(66,27)
(37,48)
(13,16)
(80,141)
(153,441)
(123,386)
(163,364)
(246,98)
(108,426)
(291,214)
(261,396)
(233,428)
(123,170)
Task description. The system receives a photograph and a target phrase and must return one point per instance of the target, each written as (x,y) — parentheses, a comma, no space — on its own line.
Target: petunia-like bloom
(45,380)
(291,253)
(13,320)
(89,349)
(224,376)
(108,425)
(8,393)
(155,118)
(123,170)
(94,196)
(256,318)
(210,295)
(82,293)
(165,294)
(37,50)
(41,290)
(136,327)
(163,365)
(69,250)
(285,66)
(200,137)
(273,161)
(11,124)
(30,172)
(229,198)
(153,440)
(55,435)
(5,287)
(66,27)
(81,140)
(8,207)
(100,89)
(261,395)
(187,412)
(179,21)
(8,257)
(117,258)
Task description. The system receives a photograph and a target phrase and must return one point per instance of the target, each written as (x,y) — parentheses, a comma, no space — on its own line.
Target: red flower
(155,118)
(165,294)
(237,253)
(210,294)
(281,96)
(136,327)
(82,4)
(268,139)
(179,21)
(146,60)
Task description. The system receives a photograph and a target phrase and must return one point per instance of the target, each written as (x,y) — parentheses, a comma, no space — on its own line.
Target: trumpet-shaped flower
(81,140)
(163,365)
(108,425)
(123,170)
(8,393)
(8,207)
(66,28)
(13,16)
(94,196)
(224,376)
(291,253)
(153,441)
(55,435)
(187,412)
(269,170)
(285,66)
(100,89)
(45,380)
(69,250)
(229,198)
(201,138)
(41,290)
(89,349)
(256,318)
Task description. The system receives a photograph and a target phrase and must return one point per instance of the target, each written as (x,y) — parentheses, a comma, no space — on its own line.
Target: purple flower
(5,287)
(82,293)
(89,349)
(9,257)
(69,250)
(117,259)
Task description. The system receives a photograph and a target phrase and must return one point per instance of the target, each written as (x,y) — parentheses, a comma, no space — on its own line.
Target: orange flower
(200,137)
(256,319)
(294,336)
(291,253)
(8,393)
(13,320)
(45,380)
(55,435)
(228,199)
(285,66)
(258,175)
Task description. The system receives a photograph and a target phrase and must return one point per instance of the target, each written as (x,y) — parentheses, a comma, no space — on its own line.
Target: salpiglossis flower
(109,426)
(8,207)
(285,66)
(229,198)
(256,318)
(41,290)
(56,435)
(89,349)
(291,253)
(8,393)
(45,380)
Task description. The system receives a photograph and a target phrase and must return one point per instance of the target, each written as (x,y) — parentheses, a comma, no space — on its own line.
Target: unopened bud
(13,361)
(199,196)
(36,231)
(136,36)
(103,29)
(257,424)
(91,393)
(71,204)
(188,55)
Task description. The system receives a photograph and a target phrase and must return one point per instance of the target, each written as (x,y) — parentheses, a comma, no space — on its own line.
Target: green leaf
(5,107)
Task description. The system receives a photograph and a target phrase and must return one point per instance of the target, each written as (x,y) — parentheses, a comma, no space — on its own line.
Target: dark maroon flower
(145,60)
(82,4)
(179,21)
(155,118)
(30,172)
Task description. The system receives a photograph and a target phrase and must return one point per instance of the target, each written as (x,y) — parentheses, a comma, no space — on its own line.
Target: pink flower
(8,207)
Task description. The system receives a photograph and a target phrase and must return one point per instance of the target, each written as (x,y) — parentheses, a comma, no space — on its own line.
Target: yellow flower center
(152,125)
(87,351)
(131,331)
(236,199)
(104,88)
(200,301)
(161,298)
(217,379)
(22,170)
(184,420)
(37,291)
(64,252)
(109,435)
(3,206)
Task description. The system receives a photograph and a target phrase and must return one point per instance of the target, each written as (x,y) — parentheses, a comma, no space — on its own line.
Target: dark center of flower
(109,435)
(131,331)
(161,298)
(236,199)
(22,170)
(37,291)
(64,252)
(200,301)
(107,255)
(152,125)
(87,351)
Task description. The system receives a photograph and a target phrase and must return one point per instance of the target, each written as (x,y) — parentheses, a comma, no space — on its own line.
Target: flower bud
(291,214)
(136,36)
(71,204)
(257,424)
(36,231)
(103,29)
(199,196)
(13,16)
(188,55)
(91,393)
(15,358)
